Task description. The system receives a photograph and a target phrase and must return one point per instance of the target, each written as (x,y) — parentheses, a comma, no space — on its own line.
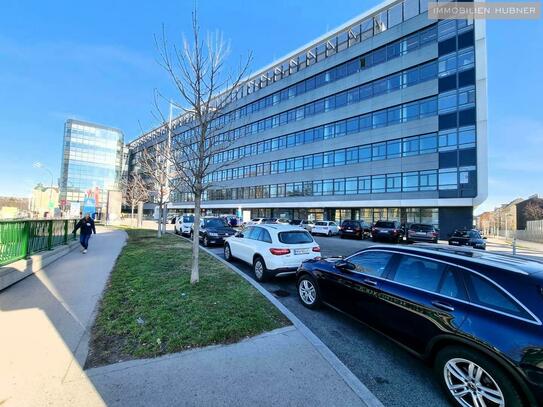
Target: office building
(381,118)
(91,163)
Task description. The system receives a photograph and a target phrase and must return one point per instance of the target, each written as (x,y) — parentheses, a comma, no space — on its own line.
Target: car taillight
(434,234)
(279,252)
(373,229)
(316,249)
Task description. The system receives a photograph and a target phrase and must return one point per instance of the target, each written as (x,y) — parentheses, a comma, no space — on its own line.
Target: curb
(367,397)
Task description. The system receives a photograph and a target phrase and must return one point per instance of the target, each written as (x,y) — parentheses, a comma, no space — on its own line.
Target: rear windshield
(383,224)
(321,224)
(295,237)
(295,222)
(188,219)
(350,223)
(422,228)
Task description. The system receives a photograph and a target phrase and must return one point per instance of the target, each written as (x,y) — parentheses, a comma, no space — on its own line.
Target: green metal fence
(21,238)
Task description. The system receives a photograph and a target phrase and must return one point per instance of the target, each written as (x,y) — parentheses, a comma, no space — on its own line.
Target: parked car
(272,249)
(296,222)
(420,232)
(283,221)
(354,228)
(475,316)
(260,221)
(468,238)
(326,228)
(213,230)
(307,225)
(387,230)
(183,224)
(232,220)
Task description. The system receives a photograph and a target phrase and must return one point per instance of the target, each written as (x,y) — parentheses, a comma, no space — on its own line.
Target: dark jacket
(87,226)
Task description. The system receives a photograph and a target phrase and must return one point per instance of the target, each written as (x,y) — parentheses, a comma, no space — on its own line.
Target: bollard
(514,245)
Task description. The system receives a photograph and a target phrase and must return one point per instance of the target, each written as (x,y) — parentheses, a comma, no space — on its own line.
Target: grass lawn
(149,307)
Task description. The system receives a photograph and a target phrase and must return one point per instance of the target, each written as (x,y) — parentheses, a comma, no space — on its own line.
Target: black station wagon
(475,316)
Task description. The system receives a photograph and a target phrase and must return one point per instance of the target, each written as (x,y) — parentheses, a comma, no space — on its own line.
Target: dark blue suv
(475,316)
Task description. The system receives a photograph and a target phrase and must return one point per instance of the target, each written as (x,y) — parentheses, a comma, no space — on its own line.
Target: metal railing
(21,238)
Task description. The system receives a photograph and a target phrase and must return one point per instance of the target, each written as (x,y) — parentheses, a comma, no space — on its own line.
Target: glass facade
(387,128)
(91,162)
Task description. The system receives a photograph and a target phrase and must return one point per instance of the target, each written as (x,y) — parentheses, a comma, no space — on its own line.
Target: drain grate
(281,293)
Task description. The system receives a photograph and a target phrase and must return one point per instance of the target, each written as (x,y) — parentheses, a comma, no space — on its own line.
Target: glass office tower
(91,163)
(381,118)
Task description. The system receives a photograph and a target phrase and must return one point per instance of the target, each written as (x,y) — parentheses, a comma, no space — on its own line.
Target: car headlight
(213,234)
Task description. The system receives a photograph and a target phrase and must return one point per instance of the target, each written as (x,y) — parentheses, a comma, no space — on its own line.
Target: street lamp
(40,165)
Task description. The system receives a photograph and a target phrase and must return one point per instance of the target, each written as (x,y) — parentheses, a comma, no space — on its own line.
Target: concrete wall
(16,271)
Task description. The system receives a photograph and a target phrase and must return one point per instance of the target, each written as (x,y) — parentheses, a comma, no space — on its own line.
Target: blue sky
(96,61)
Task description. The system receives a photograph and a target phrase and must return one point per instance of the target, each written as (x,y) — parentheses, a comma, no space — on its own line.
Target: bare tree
(534,210)
(154,169)
(134,190)
(205,87)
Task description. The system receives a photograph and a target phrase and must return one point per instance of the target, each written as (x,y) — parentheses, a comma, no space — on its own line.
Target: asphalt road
(396,377)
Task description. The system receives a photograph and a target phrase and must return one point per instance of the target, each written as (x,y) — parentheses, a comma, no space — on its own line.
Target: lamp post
(172,105)
(40,165)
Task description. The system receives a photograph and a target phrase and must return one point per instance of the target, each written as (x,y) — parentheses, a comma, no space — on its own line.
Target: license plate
(301,251)
(350,231)
(420,234)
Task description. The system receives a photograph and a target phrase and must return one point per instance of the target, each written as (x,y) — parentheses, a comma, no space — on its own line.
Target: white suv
(272,249)
(183,224)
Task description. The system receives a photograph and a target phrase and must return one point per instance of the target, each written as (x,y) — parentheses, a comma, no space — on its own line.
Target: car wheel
(227,252)
(341,236)
(373,239)
(308,291)
(205,242)
(191,235)
(175,230)
(329,233)
(471,379)
(259,268)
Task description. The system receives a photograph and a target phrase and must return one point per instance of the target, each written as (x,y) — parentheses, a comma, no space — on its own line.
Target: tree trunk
(132,214)
(195,271)
(159,222)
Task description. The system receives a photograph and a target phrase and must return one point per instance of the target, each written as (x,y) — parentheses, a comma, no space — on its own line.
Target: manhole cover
(281,293)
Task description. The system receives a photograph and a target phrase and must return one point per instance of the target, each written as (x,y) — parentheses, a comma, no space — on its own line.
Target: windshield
(214,223)
(295,237)
(321,224)
(188,219)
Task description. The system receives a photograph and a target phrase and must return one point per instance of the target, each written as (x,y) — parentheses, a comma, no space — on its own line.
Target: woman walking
(87,228)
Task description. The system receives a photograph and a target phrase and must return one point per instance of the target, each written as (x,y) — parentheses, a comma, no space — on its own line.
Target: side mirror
(484,237)
(239,234)
(345,265)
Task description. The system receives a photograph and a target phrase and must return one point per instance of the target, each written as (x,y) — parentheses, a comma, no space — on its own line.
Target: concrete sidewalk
(45,321)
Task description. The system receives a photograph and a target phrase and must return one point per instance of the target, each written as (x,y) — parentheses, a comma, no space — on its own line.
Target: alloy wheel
(307,292)
(259,269)
(227,253)
(471,385)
